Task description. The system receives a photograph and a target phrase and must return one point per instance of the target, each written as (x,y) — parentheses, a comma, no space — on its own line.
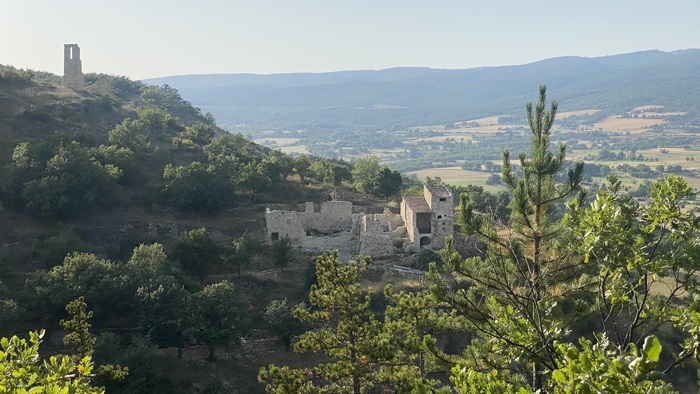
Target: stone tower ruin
(73,77)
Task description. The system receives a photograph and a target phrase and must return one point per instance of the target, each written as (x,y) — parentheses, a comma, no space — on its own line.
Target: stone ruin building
(429,219)
(73,77)
(423,222)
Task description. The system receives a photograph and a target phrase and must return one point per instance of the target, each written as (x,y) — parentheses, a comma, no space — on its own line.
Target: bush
(427,256)
(52,250)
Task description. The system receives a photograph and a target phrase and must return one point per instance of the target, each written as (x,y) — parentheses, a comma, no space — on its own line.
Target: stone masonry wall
(72,67)
(334,226)
(286,224)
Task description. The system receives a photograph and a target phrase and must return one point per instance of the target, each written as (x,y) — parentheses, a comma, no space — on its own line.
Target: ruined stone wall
(102,86)
(441,228)
(374,223)
(345,241)
(332,225)
(282,224)
(335,216)
(409,219)
(376,244)
(72,67)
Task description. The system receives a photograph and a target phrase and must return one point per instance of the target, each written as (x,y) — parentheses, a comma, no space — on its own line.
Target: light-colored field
(287,145)
(299,149)
(563,115)
(490,121)
(456,135)
(279,142)
(619,124)
(483,129)
(675,156)
(457,176)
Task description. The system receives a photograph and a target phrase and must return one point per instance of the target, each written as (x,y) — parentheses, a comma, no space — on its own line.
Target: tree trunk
(211,353)
(287,339)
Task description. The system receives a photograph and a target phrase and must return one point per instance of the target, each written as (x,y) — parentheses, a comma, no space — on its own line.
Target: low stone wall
(376,245)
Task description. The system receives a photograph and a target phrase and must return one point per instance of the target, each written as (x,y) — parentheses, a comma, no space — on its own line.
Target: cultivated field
(285,144)
(620,124)
(457,176)
(562,115)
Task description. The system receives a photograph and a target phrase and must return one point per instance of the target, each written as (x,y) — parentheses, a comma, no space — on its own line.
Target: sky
(155,38)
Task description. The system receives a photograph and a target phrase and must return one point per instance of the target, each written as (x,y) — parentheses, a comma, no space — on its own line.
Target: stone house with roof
(429,219)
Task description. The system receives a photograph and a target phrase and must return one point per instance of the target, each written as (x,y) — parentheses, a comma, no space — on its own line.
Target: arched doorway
(425,241)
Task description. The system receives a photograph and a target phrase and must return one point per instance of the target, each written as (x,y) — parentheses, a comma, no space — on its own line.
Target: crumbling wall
(409,220)
(345,241)
(378,238)
(288,224)
(102,86)
(442,228)
(332,225)
(72,67)
(335,216)
(376,244)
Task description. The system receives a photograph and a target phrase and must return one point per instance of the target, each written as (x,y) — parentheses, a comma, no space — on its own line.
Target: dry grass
(489,121)
(619,124)
(456,135)
(285,144)
(457,176)
(564,115)
(281,141)
(300,149)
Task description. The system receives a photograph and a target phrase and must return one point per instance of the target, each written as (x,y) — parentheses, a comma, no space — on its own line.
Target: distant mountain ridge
(350,99)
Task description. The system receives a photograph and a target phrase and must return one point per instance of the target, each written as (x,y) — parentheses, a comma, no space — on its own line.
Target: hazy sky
(152,38)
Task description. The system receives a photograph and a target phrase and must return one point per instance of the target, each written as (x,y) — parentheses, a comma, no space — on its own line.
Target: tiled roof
(440,191)
(417,204)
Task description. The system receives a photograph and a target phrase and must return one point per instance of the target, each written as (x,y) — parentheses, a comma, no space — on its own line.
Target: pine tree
(510,301)
(348,333)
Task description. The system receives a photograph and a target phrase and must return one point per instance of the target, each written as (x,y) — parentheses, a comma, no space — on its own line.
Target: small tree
(82,341)
(165,308)
(197,252)
(373,178)
(78,328)
(283,253)
(241,252)
(130,134)
(198,186)
(221,316)
(493,179)
(348,333)
(365,174)
(281,322)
